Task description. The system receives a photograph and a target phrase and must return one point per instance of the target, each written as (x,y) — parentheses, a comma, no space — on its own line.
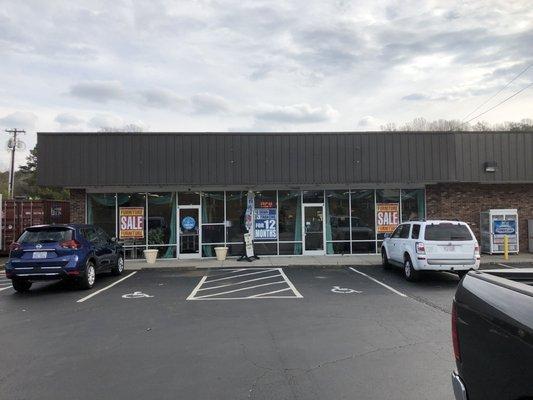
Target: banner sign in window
(504,228)
(131,222)
(265,224)
(387,217)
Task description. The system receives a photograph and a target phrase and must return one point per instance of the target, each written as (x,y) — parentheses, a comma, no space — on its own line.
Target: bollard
(506,247)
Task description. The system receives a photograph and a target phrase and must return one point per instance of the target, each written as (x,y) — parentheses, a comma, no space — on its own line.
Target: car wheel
(88,278)
(384,259)
(119,268)
(21,285)
(409,272)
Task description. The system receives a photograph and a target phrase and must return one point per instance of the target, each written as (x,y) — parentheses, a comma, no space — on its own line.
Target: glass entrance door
(313,220)
(189,237)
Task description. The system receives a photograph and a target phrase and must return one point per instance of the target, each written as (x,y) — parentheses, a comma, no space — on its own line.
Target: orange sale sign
(387,217)
(131,222)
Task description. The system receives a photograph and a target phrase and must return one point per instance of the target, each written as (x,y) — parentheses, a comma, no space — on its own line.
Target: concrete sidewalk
(300,261)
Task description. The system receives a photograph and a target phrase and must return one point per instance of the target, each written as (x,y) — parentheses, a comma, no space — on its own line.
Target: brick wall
(465,201)
(77,206)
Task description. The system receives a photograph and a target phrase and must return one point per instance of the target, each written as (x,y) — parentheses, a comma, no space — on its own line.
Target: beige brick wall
(466,201)
(77,206)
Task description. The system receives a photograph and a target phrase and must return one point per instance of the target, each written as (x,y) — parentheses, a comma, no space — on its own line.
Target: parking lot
(265,333)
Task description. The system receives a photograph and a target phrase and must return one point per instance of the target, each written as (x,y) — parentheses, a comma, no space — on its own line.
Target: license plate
(449,248)
(39,254)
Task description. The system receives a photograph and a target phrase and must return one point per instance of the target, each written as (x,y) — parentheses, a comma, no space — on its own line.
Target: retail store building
(312,193)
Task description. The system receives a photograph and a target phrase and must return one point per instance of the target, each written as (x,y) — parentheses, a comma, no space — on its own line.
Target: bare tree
(126,128)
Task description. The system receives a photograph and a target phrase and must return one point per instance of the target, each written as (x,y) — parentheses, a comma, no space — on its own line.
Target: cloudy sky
(258,65)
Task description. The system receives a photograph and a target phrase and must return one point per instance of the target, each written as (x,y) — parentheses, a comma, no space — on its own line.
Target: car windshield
(447,232)
(45,235)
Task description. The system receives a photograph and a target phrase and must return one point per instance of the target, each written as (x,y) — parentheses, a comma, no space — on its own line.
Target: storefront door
(313,228)
(189,234)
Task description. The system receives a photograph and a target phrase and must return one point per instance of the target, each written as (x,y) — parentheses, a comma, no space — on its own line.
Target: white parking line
(239,290)
(508,266)
(238,283)
(204,292)
(107,287)
(5,288)
(380,283)
(238,276)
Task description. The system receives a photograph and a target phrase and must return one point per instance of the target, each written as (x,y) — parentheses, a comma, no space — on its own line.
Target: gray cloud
(207,103)
(20,120)
(161,98)
(296,113)
(415,97)
(98,91)
(68,119)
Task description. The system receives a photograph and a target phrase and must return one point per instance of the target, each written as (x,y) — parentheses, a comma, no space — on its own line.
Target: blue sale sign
(265,224)
(504,227)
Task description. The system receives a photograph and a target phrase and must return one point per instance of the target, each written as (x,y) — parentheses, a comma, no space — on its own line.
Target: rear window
(447,232)
(45,235)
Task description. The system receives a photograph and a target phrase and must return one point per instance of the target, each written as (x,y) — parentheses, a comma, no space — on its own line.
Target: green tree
(26,182)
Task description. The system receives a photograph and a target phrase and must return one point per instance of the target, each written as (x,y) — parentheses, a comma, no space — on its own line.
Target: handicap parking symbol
(136,295)
(338,289)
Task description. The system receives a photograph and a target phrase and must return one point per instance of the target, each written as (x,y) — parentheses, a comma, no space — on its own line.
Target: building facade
(300,193)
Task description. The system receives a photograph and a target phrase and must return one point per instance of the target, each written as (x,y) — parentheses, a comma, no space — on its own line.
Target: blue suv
(75,252)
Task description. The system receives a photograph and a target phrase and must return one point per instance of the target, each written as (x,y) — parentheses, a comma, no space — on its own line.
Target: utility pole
(12,145)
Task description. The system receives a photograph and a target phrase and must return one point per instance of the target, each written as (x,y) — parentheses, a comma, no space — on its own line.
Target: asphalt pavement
(252,333)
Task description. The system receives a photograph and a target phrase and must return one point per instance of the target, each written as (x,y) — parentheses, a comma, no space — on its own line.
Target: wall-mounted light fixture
(490,166)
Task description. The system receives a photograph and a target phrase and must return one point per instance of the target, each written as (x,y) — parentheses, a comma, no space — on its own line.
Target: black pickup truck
(492,332)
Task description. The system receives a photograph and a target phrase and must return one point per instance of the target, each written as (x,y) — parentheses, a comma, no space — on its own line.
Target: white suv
(433,246)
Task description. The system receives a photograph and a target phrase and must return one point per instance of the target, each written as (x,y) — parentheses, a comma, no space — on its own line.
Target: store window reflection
(290,221)
(413,204)
(162,223)
(337,221)
(101,212)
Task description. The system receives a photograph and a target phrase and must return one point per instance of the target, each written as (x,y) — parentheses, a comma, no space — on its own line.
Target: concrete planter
(221,253)
(150,255)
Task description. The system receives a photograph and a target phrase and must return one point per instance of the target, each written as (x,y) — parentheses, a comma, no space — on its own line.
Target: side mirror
(386,236)
(113,239)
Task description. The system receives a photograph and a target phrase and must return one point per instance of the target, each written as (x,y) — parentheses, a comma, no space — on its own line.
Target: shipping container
(17,215)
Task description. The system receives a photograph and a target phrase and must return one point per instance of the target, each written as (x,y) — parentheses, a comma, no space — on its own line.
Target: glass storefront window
(313,196)
(235,216)
(338,248)
(290,249)
(337,215)
(162,222)
(390,197)
(101,212)
(413,204)
(212,207)
(363,218)
(213,234)
(188,198)
(363,247)
(290,216)
(132,200)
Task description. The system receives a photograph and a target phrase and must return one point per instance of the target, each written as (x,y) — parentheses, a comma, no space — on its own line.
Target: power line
(497,93)
(501,102)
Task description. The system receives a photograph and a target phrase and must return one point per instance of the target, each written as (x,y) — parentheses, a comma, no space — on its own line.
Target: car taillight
(455,335)
(420,248)
(15,246)
(476,250)
(71,244)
